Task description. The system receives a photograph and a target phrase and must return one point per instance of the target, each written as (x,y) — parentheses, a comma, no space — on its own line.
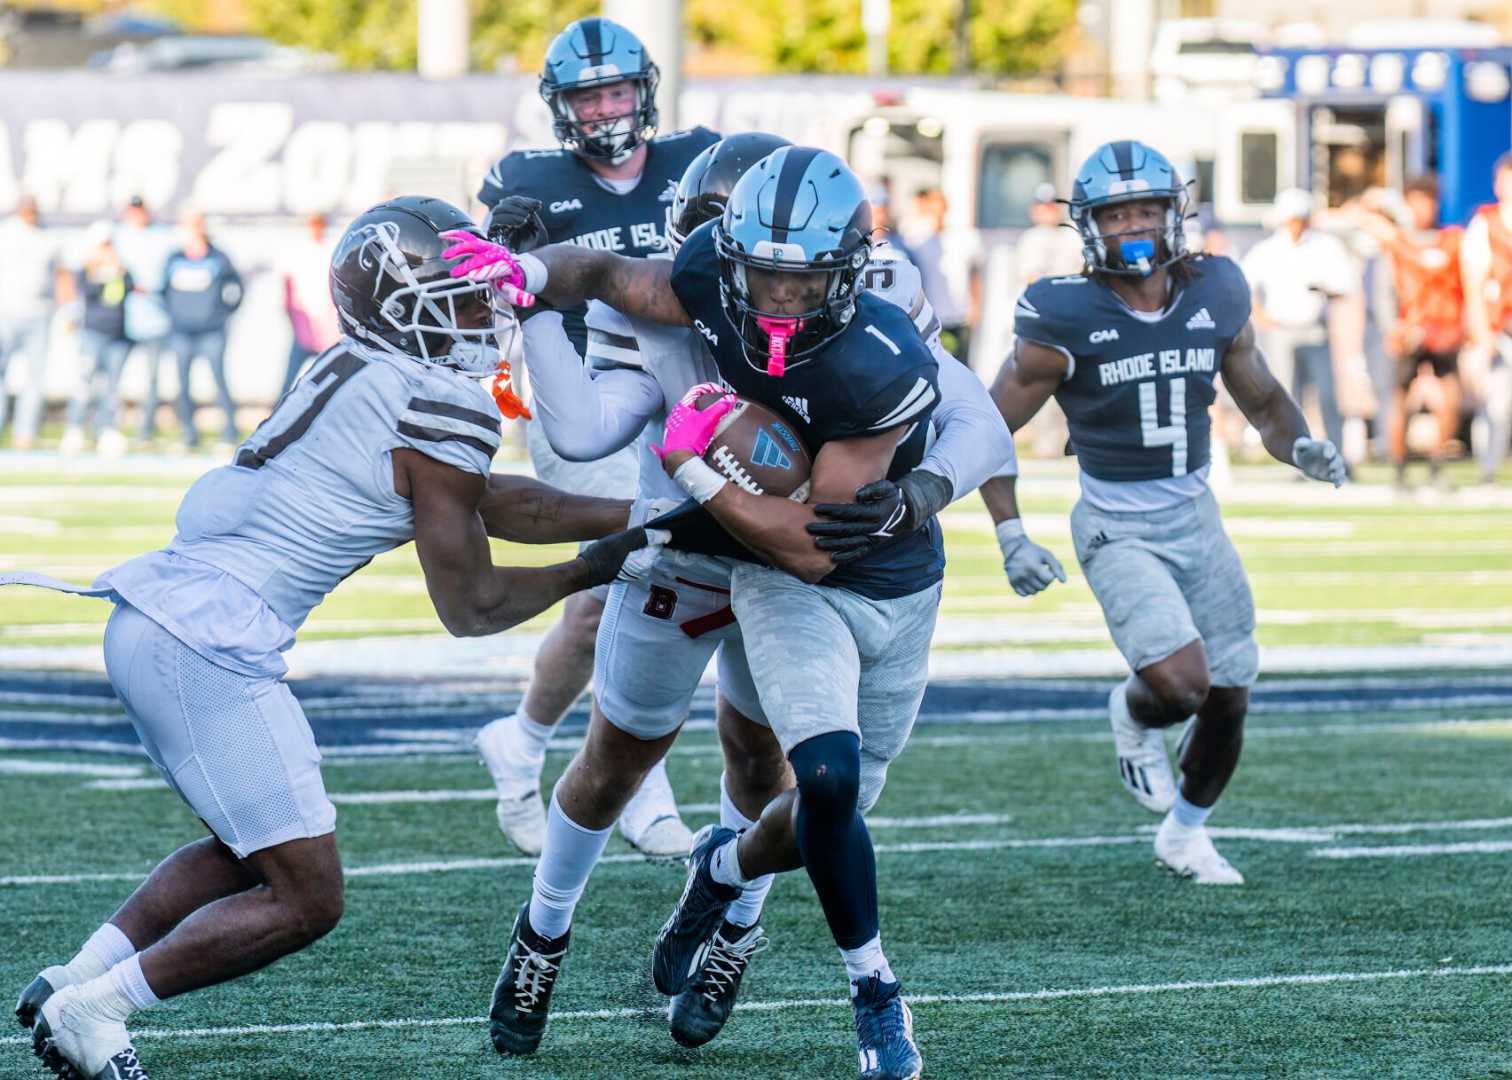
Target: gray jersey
(310,499)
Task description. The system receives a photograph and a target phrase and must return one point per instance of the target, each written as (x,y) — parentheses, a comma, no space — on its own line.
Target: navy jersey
(1137,396)
(578,209)
(876,375)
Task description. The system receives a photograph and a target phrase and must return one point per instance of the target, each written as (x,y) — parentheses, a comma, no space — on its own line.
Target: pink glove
(778,332)
(691,428)
(483,260)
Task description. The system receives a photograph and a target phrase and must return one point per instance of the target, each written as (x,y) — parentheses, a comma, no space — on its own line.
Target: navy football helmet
(710,177)
(1129,171)
(596,52)
(394,291)
(798,210)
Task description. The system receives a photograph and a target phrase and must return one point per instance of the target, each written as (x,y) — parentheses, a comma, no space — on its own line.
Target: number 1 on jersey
(1173,434)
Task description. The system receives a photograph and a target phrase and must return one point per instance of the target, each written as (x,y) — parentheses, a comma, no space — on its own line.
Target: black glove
(882,511)
(515,221)
(606,556)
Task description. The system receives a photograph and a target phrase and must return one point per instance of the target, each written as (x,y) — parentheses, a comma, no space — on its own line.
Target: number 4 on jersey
(1173,434)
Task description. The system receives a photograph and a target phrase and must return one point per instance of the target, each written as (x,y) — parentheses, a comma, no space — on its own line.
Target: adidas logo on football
(1201,321)
(768,454)
(799,405)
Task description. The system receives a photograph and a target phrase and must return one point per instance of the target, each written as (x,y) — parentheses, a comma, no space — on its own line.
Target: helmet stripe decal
(794,165)
(1123,159)
(592,39)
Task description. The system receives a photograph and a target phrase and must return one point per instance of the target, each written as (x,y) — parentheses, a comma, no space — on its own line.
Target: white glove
(637,564)
(643,510)
(1030,568)
(1319,459)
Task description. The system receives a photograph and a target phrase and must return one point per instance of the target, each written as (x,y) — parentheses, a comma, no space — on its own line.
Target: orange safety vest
(1430,296)
(1498,287)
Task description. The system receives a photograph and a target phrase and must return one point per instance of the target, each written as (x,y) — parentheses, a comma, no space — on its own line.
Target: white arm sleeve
(585,417)
(973,444)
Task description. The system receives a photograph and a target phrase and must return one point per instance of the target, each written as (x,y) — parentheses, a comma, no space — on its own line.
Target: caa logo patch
(566,204)
(698,324)
(1103,335)
(767,453)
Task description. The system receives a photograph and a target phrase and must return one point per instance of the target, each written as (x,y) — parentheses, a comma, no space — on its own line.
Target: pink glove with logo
(691,428)
(483,260)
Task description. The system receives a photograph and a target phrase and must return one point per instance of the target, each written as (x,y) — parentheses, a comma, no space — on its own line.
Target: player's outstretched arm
(527,511)
(1030,568)
(472,596)
(1266,405)
(1027,380)
(639,287)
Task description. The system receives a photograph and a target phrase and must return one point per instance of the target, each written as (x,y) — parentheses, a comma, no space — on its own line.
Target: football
(759,450)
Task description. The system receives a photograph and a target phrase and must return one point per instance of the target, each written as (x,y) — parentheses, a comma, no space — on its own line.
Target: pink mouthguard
(779,332)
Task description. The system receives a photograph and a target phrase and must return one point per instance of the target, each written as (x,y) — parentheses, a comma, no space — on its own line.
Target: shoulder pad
(452,419)
(1047,313)
(611,339)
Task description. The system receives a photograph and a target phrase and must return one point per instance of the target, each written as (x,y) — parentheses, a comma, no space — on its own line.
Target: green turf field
(1037,940)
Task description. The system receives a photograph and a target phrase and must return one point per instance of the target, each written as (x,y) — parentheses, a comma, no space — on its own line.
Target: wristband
(696,478)
(533,270)
(1008,531)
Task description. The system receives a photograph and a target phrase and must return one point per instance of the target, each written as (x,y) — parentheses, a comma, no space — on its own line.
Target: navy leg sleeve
(832,837)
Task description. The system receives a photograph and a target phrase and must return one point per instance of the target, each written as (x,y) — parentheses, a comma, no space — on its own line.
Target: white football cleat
(1143,764)
(520,812)
(1189,853)
(650,821)
(77,1044)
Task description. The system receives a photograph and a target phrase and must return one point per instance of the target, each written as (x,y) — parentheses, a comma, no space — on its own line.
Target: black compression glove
(882,510)
(515,221)
(605,557)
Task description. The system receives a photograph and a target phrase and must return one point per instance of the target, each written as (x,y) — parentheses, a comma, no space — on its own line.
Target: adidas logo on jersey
(1201,321)
(1102,335)
(768,454)
(670,193)
(799,405)
(566,204)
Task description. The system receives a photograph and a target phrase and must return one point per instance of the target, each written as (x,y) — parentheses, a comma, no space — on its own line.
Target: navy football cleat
(689,931)
(884,1032)
(700,1011)
(522,996)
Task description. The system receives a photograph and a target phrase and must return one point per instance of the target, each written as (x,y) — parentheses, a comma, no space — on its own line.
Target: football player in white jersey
(388,439)
(660,632)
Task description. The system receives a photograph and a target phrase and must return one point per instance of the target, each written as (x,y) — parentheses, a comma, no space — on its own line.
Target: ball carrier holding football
(1131,349)
(774,289)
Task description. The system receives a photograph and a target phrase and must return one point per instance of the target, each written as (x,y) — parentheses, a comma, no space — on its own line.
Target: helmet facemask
(614,138)
(1139,257)
(432,317)
(774,341)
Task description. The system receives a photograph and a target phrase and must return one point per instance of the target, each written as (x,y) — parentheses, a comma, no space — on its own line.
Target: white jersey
(308,501)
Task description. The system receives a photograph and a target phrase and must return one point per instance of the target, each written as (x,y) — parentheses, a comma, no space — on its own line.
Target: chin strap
(779,332)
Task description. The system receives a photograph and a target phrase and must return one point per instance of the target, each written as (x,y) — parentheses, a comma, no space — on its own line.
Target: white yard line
(1071,993)
(116,773)
(1477,847)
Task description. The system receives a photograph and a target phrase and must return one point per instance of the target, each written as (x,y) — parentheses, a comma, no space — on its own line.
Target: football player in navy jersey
(607,187)
(838,653)
(1130,349)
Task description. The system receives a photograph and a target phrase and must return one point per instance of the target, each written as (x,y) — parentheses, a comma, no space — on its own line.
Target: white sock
(105,948)
(562,873)
(132,983)
(865,961)
(533,736)
(1188,816)
(724,867)
(747,910)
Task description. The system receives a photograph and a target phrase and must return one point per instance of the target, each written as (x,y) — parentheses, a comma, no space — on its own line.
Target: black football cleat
(522,996)
(701,1010)
(74,1045)
(47,983)
(689,930)
(884,1032)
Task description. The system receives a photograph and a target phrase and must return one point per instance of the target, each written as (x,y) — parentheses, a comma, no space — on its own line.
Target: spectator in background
(884,225)
(1295,274)
(306,271)
(1426,335)
(1049,247)
(929,255)
(201,290)
(103,285)
(27,271)
(144,247)
(1486,268)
